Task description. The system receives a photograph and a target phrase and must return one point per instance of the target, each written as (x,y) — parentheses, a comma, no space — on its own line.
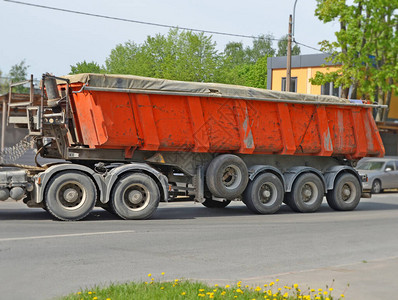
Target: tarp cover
(164,86)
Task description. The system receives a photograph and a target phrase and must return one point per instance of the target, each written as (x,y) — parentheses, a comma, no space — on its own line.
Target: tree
(122,59)
(3,84)
(86,67)
(18,73)
(262,46)
(282,47)
(366,48)
(181,55)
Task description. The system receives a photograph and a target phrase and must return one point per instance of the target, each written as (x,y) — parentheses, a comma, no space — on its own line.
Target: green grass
(184,289)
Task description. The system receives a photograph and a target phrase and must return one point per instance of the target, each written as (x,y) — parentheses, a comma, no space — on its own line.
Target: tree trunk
(388,101)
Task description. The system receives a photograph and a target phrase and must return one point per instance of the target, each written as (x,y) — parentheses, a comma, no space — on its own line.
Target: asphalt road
(41,258)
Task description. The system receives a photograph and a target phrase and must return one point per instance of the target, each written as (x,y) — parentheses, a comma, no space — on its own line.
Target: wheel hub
(229,176)
(70,195)
(135,197)
(307,191)
(266,194)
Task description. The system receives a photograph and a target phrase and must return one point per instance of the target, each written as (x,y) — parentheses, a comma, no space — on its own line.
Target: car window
(370,165)
(390,165)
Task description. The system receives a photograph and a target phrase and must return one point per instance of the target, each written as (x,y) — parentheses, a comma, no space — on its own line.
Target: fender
(45,177)
(333,172)
(258,169)
(291,175)
(115,173)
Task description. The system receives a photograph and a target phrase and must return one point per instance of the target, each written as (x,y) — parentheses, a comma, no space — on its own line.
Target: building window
(293,84)
(330,89)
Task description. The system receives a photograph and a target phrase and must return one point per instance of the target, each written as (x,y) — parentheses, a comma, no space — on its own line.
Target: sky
(52,41)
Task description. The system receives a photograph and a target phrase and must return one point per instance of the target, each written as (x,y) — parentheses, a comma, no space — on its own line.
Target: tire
(227,176)
(346,193)
(307,193)
(210,203)
(135,196)
(376,187)
(70,195)
(264,195)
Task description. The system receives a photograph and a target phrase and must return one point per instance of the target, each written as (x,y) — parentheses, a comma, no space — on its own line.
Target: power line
(310,47)
(151,23)
(135,21)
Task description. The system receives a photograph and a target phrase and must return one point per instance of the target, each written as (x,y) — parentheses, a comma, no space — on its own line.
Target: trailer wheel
(70,196)
(135,197)
(227,176)
(346,193)
(264,195)
(210,203)
(307,193)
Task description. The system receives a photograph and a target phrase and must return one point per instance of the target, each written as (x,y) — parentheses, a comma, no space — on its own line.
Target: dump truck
(123,142)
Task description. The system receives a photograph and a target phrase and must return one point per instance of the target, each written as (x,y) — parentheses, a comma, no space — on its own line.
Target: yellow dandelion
(265,285)
(162,273)
(295,285)
(342,296)
(279,289)
(223,293)
(312,290)
(79,293)
(162,287)
(183,293)
(276,280)
(227,286)
(325,293)
(201,290)
(108,298)
(176,280)
(95,298)
(257,289)
(285,295)
(320,290)
(90,293)
(330,289)
(152,279)
(149,275)
(271,283)
(216,285)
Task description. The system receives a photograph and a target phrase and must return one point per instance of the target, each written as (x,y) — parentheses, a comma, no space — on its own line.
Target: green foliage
(282,47)
(3,84)
(18,73)
(181,55)
(189,56)
(366,46)
(86,67)
(183,289)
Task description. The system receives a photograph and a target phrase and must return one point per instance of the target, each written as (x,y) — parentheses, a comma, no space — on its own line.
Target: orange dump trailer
(131,140)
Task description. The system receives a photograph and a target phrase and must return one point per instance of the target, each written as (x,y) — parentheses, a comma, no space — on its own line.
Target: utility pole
(289,56)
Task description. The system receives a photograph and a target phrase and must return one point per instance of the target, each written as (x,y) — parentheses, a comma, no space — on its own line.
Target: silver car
(382,173)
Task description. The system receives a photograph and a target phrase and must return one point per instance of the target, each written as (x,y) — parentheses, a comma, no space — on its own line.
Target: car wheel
(376,187)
